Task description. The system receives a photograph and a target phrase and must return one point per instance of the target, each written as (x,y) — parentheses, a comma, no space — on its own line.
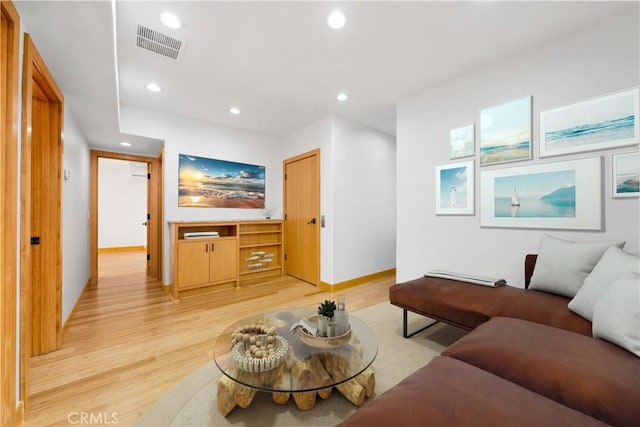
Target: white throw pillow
(562,265)
(613,264)
(616,316)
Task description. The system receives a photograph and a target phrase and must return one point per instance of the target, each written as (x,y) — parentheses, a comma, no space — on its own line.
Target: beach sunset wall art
(561,195)
(595,124)
(505,132)
(455,189)
(215,183)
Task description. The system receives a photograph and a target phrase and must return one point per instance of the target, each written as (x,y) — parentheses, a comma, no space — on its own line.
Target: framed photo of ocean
(461,142)
(455,189)
(600,123)
(558,195)
(505,132)
(625,168)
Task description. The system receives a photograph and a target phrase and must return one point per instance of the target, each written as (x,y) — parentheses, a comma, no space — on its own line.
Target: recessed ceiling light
(125,144)
(342,96)
(336,20)
(234,110)
(170,20)
(153,87)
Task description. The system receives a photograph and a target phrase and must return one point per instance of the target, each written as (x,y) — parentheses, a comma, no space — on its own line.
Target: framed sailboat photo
(564,195)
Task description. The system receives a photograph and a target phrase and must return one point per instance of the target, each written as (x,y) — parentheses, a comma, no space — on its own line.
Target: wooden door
(10,48)
(223,261)
(149,223)
(302,216)
(41,210)
(46,244)
(193,263)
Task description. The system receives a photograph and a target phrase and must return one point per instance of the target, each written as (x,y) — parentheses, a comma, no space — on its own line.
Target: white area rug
(192,402)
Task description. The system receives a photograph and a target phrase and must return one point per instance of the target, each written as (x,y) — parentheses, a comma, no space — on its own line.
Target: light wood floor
(127,342)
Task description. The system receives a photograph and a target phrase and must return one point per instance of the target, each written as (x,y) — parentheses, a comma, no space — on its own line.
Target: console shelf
(230,254)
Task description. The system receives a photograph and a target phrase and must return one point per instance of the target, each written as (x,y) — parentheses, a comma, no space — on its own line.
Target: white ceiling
(278,61)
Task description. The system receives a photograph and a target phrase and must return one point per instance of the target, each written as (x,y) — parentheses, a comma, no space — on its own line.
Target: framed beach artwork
(595,124)
(625,168)
(562,195)
(505,132)
(212,183)
(455,189)
(462,142)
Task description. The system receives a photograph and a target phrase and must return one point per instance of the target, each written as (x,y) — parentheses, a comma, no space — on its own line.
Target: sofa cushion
(592,376)
(614,263)
(448,392)
(617,314)
(467,306)
(562,265)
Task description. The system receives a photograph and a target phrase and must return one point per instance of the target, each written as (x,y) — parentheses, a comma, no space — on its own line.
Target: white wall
(364,201)
(357,196)
(75,215)
(122,204)
(601,59)
(204,139)
(319,135)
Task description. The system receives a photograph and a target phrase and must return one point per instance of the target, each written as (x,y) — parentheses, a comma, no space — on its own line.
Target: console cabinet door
(193,263)
(224,256)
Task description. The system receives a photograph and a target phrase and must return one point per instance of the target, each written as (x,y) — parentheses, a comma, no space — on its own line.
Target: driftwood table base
(314,372)
(308,370)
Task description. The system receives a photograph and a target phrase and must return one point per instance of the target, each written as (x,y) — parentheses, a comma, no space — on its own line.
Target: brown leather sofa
(529,361)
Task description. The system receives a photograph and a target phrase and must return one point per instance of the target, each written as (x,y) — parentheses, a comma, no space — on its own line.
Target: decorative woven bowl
(259,364)
(324,342)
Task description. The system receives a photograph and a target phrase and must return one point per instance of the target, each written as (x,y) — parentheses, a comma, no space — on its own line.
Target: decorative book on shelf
(201,234)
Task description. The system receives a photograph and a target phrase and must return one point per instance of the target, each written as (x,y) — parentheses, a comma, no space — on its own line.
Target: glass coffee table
(301,368)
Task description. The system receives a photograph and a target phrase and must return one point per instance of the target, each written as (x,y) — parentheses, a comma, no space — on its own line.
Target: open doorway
(122,213)
(154,219)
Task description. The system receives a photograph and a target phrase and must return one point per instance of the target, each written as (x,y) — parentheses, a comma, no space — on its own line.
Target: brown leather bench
(467,306)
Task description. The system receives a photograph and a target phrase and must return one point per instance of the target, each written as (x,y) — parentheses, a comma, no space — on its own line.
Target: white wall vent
(138,169)
(159,43)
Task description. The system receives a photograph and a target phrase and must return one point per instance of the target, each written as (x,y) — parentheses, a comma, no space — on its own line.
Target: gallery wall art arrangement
(562,194)
(213,183)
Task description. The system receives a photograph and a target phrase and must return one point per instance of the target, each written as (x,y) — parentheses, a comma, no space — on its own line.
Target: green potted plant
(325,310)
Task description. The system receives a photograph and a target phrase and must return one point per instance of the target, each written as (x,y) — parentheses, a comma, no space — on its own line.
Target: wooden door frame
(34,68)
(10,408)
(154,194)
(312,153)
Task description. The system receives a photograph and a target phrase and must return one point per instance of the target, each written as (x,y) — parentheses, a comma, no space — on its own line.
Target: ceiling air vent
(159,43)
